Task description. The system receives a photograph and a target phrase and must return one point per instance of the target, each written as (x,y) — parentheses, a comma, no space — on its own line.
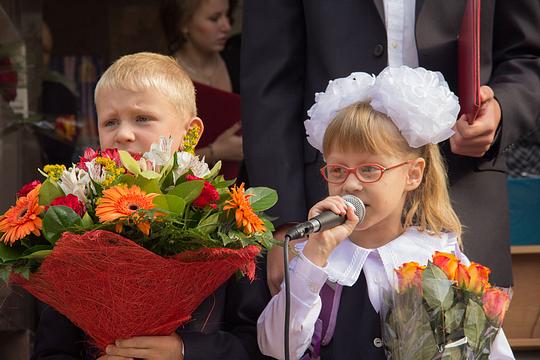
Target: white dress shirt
(344,267)
(400,31)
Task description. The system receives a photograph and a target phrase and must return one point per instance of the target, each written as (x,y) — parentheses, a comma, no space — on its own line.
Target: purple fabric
(326,323)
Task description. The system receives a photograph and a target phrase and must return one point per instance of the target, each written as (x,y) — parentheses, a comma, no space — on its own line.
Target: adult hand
(228,145)
(148,348)
(112,357)
(474,137)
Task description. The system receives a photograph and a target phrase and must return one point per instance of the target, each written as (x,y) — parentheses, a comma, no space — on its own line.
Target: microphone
(327,219)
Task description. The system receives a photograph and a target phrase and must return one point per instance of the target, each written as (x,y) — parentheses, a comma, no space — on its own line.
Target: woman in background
(197,33)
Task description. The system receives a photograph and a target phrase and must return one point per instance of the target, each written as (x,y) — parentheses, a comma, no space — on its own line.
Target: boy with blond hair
(140,98)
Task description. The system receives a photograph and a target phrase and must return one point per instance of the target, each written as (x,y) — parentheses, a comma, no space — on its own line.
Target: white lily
(185,162)
(159,153)
(77,182)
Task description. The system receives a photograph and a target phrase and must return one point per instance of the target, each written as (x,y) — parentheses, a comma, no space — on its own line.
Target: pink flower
(72,202)
(27,188)
(495,303)
(90,154)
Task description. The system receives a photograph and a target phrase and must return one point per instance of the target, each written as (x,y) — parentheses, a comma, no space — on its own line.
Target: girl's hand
(112,357)
(321,244)
(147,347)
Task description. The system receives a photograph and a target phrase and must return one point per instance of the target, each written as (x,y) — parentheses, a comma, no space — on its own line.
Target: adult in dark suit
(292,48)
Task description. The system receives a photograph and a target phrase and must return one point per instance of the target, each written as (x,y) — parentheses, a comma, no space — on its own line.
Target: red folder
(219,110)
(469,60)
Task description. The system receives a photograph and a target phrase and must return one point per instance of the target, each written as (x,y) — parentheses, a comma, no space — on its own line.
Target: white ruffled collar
(347,260)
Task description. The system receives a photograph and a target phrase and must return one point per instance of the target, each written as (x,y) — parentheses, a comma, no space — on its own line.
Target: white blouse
(344,267)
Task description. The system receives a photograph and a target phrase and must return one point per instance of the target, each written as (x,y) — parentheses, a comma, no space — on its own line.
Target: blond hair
(360,128)
(143,71)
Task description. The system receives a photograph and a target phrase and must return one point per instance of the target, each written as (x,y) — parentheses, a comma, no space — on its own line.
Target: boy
(138,99)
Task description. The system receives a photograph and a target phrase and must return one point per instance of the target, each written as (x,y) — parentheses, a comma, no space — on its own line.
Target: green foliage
(262,198)
(57,220)
(176,224)
(438,320)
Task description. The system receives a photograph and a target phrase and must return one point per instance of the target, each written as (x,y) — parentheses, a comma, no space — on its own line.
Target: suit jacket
(223,327)
(292,48)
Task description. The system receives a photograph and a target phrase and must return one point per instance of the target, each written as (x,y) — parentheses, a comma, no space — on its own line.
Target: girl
(378,137)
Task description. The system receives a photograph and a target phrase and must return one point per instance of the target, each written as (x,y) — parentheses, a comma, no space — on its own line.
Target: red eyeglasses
(366,173)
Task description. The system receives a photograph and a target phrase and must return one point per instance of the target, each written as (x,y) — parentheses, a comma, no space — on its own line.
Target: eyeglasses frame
(353,171)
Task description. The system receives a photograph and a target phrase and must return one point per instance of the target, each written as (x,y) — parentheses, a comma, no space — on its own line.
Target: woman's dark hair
(175,13)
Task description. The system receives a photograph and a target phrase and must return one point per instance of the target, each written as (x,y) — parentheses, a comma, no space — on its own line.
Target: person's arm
(515,80)
(272,90)
(56,337)
(306,280)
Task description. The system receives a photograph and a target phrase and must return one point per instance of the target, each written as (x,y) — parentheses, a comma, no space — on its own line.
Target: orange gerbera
(23,218)
(244,215)
(122,202)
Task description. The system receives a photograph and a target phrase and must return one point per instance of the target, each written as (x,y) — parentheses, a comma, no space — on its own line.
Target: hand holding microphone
(330,221)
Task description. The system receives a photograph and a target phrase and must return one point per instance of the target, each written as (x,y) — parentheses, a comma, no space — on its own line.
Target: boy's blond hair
(145,70)
(360,128)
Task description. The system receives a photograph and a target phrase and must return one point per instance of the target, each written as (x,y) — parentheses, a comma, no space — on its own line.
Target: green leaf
(210,223)
(263,198)
(127,179)
(38,254)
(268,224)
(5,272)
(57,220)
(8,253)
(148,185)
(215,171)
(36,248)
(24,271)
(87,221)
(172,203)
(410,322)
(453,318)
(129,162)
(226,239)
(475,323)
(48,192)
(149,174)
(188,190)
(438,290)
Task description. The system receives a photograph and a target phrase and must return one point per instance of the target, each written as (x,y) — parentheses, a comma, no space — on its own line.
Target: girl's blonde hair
(360,128)
(143,71)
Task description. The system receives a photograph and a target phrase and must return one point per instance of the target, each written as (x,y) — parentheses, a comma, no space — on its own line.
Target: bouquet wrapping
(126,245)
(444,310)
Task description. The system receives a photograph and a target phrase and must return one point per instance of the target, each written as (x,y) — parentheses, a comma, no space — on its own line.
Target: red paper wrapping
(112,288)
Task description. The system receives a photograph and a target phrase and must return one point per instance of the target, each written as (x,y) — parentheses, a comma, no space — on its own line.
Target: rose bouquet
(445,310)
(127,245)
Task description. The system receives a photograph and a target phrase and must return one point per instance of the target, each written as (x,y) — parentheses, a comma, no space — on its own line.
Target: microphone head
(357,204)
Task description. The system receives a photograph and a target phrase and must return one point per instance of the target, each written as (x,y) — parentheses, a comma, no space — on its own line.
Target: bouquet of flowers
(127,245)
(445,310)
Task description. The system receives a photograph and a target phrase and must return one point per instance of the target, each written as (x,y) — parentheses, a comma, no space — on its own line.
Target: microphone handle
(323,221)
(328,220)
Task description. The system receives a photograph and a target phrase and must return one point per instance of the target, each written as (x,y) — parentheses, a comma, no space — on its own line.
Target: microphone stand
(287,295)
